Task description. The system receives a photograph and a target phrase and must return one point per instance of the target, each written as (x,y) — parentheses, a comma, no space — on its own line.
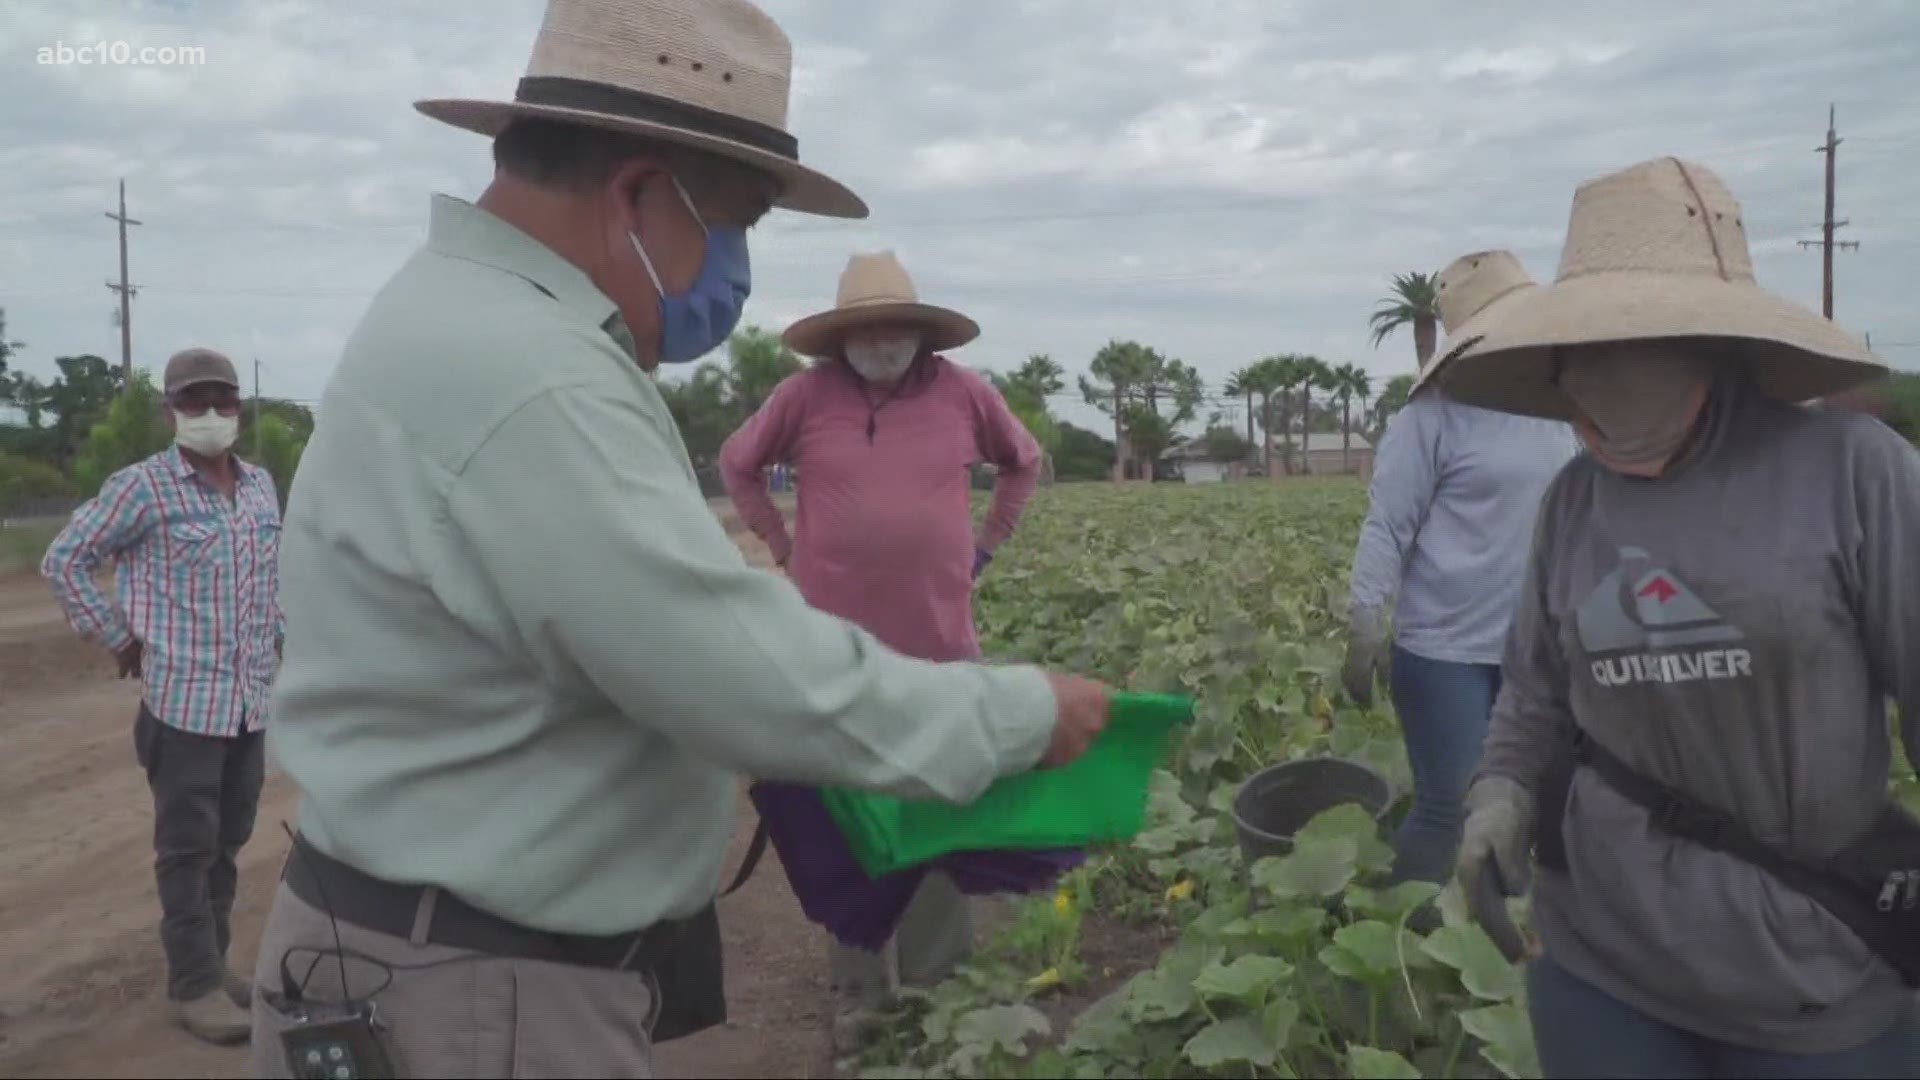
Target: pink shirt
(884,534)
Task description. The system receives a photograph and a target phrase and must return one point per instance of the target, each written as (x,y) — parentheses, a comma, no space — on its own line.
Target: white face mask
(883,359)
(209,434)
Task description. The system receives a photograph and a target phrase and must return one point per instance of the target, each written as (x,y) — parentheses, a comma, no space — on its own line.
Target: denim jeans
(1583,1032)
(1443,709)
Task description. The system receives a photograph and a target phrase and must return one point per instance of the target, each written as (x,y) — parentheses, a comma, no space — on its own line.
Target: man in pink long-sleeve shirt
(882,433)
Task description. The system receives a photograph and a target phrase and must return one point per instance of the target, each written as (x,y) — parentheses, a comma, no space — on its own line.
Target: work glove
(1499,828)
(1366,655)
(981,557)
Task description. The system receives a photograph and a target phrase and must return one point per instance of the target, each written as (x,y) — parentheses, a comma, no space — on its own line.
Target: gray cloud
(1220,178)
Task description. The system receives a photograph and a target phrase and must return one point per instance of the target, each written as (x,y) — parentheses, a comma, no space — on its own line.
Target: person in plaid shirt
(193,536)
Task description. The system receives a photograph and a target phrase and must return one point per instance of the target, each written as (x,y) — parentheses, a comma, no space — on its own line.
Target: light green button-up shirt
(523,660)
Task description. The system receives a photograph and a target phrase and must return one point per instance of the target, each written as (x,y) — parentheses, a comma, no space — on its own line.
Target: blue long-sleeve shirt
(1450,518)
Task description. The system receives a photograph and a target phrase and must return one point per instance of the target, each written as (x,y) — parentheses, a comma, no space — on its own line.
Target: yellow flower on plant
(1181,890)
(1063,902)
(1046,980)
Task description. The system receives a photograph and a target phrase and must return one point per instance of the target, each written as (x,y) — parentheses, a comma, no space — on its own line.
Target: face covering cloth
(1637,401)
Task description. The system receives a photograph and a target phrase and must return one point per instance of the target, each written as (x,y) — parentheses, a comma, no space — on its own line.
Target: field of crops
(1171,958)
(1301,967)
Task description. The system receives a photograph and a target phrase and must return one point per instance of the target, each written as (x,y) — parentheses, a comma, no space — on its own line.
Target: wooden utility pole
(126,291)
(1826,243)
(1119,437)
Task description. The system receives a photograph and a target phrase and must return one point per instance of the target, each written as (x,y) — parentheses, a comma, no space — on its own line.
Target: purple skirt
(863,911)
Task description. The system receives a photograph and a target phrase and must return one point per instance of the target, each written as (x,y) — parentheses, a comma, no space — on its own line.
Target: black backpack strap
(756,848)
(1677,814)
(1847,894)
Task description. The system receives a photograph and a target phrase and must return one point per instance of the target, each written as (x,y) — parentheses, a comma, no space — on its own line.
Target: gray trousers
(449,1012)
(206,791)
(934,937)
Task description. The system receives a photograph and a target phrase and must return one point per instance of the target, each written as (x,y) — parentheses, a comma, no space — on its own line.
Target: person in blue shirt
(1436,575)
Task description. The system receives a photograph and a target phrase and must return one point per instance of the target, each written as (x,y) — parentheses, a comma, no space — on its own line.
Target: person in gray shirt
(1723,593)
(1443,547)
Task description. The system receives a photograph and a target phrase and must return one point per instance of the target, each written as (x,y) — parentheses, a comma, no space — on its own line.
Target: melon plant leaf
(1001,1027)
(1507,1037)
(1239,1040)
(1364,951)
(1349,821)
(1248,979)
(1314,868)
(1483,971)
(1371,1063)
(1391,905)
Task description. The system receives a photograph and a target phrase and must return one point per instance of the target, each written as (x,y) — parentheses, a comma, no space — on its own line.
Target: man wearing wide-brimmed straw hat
(1449,517)
(883,432)
(1721,596)
(524,660)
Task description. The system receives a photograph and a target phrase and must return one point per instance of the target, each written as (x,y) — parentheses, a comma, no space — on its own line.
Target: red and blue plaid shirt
(196,579)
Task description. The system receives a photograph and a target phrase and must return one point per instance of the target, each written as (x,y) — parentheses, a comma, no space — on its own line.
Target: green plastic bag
(1099,798)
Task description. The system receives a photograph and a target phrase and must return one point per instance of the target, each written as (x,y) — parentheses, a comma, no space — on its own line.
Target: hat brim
(803,190)
(1463,335)
(1793,354)
(201,380)
(821,334)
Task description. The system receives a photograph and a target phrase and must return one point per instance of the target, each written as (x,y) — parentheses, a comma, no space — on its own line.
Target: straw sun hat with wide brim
(713,75)
(1471,291)
(876,289)
(1655,251)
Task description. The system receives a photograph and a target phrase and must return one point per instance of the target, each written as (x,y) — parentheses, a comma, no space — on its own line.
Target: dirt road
(83,989)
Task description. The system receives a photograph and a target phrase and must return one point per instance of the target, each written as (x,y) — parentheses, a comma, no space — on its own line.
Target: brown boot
(214,1018)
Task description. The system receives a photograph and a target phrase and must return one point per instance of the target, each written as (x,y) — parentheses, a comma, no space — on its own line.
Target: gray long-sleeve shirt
(1454,494)
(1732,629)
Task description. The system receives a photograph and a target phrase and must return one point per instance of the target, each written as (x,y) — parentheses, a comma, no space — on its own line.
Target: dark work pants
(206,789)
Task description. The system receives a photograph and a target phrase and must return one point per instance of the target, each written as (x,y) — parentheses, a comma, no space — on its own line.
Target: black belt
(386,908)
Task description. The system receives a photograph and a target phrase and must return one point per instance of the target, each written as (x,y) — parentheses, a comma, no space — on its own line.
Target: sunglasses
(196,400)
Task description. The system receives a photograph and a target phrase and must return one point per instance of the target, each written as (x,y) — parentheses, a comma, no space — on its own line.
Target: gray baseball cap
(191,367)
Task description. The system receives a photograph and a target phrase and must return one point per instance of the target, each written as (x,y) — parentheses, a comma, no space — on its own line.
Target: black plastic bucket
(1276,802)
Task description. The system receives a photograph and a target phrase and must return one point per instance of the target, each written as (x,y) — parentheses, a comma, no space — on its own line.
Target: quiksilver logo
(1641,624)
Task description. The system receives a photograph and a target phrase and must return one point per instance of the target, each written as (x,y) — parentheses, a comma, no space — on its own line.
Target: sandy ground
(82,993)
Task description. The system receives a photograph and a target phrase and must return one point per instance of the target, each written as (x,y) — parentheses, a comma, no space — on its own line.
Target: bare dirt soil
(83,988)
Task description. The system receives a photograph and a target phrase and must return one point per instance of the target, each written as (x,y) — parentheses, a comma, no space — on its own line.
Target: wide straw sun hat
(1655,251)
(714,75)
(875,288)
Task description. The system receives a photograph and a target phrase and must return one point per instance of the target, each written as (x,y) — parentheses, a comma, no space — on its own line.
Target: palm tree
(1122,370)
(1245,383)
(1293,376)
(1351,381)
(1040,377)
(1268,379)
(1315,374)
(1413,300)
(1392,399)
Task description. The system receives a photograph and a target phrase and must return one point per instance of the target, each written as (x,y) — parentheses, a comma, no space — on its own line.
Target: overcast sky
(1221,179)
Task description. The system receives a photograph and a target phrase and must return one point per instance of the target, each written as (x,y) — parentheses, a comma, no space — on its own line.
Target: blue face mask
(695,322)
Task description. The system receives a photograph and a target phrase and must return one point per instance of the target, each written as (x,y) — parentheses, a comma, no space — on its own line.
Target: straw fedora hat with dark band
(1471,290)
(1658,250)
(875,288)
(709,74)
